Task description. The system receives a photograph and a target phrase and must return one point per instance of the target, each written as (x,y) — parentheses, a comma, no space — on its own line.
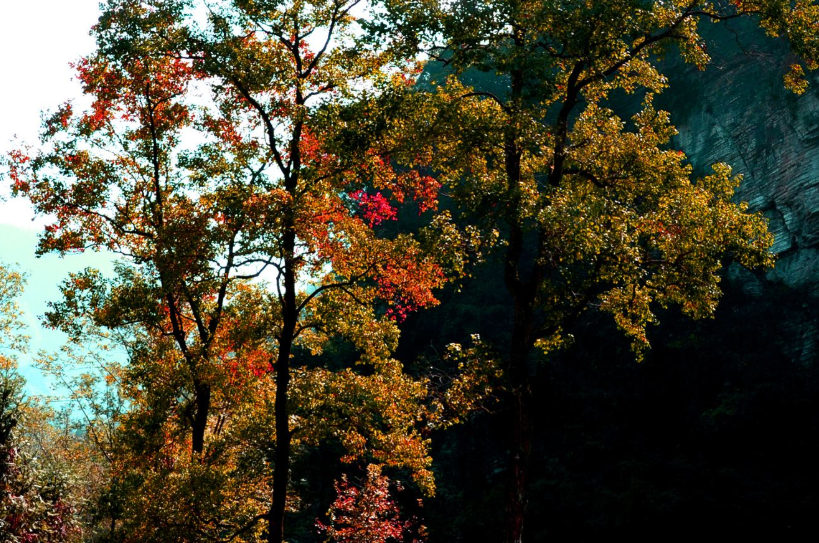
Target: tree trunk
(521,445)
(281,470)
(521,436)
(523,294)
(200,418)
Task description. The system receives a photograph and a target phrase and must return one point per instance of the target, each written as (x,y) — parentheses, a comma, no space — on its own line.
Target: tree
(596,211)
(36,503)
(12,342)
(365,514)
(12,339)
(270,182)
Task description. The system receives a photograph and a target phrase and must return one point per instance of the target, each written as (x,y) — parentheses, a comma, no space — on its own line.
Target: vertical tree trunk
(290,314)
(523,294)
(521,445)
(200,418)
(521,436)
(281,470)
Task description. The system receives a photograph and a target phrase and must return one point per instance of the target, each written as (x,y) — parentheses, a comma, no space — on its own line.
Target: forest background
(710,425)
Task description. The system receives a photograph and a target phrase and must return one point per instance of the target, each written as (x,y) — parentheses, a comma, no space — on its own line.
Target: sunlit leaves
(217,157)
(366,513)
(12,337)
(618,220)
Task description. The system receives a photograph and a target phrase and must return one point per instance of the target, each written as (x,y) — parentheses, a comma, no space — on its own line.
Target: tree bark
(281,470)
(290,315)
(200,418)
(521,435)
(523,294)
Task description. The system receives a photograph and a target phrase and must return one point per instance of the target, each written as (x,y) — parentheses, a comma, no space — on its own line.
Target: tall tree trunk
(281,470)
(523,293)
(521,436)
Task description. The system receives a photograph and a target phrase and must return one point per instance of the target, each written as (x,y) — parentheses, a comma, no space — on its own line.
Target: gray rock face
(739,112)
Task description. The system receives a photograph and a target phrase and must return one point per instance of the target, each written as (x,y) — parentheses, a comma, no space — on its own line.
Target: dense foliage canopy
(288,184)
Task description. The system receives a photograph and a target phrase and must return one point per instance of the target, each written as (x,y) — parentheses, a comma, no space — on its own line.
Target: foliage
(12,341)
(254,164)
(596,210)
(219,159)
(600,208)
(365,514)
(12,338)
(36,504)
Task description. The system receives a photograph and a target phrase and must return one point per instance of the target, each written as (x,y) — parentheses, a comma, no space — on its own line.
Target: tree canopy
(287,182)
(596,209)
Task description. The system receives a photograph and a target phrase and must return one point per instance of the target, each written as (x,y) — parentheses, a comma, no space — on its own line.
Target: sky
(38,41)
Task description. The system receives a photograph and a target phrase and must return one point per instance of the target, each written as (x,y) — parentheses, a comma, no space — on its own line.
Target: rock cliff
(739,112)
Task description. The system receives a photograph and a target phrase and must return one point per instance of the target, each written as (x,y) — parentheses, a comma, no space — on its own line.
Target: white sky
(38,40)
